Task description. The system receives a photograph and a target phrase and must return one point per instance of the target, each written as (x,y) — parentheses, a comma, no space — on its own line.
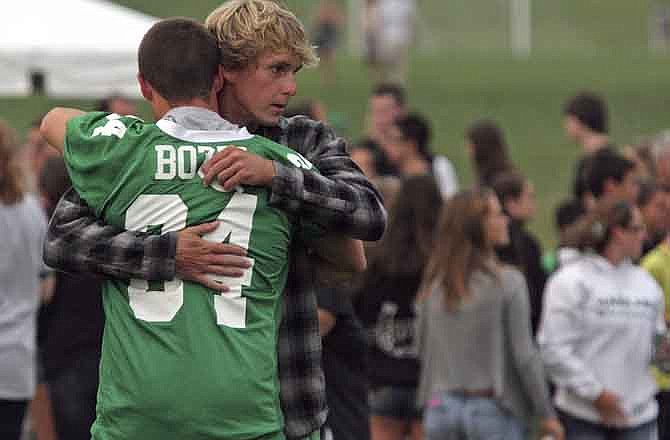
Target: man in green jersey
(181,361)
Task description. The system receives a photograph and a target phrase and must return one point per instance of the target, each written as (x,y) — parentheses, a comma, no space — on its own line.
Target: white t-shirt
(396,20)
(22,228)
(445,176)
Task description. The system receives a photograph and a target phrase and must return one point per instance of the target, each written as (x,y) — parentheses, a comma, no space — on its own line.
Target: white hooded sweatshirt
(597,333)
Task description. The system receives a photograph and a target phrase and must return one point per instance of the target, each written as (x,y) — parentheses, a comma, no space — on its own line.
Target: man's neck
(592,142)
(162,107)
(200,103)
(231,110)
(238,117)
(613,254)
(415,165)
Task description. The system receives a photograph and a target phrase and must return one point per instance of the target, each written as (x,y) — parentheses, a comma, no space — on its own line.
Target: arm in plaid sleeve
(77,241)
(338,197)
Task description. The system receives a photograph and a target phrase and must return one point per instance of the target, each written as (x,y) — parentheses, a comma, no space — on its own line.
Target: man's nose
(290,85)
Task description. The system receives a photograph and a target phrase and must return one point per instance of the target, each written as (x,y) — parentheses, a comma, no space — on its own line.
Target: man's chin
(269,120)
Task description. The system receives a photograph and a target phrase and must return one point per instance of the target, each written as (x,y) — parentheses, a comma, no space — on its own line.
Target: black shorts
(398,402)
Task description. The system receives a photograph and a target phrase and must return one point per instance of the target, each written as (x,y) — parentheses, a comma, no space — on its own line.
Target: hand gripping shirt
(179,360)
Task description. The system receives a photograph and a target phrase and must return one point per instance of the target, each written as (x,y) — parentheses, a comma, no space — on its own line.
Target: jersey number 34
(169,212)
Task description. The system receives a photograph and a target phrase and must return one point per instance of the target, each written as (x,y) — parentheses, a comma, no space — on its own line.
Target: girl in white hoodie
(600,317)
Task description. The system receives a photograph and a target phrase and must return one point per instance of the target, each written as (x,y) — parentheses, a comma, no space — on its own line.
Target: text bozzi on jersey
(182,161)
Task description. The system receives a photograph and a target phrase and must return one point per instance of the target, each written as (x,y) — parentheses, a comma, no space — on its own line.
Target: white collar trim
(203,136)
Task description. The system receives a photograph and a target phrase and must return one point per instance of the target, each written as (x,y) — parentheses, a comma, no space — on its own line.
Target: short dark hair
(508,185)
(648,189)
(594,230)
(54,180)
(414,127)
(568,213)
(395,90)
(179,57)
(604,165)
(590,109)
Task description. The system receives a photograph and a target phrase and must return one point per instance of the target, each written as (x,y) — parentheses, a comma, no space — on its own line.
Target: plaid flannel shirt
(339,197)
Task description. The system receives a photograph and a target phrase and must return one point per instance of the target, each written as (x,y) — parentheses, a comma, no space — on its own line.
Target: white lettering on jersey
(207,151)
(166,162)
(170,213)
(114,127)
(299,161)
(182,161)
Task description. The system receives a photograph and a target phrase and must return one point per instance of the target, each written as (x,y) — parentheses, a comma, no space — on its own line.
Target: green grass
(525,97)
(579,45)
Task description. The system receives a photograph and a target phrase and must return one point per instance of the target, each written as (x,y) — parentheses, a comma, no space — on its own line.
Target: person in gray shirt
(22,228)
(481,375)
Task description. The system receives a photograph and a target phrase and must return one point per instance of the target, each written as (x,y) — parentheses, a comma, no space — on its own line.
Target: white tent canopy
(83,48)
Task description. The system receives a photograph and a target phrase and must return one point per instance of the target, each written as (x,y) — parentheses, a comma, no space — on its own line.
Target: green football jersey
(180,361)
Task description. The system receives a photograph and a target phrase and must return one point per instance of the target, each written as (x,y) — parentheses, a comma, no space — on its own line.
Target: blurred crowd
(51,324)
(461,327)
(470,326)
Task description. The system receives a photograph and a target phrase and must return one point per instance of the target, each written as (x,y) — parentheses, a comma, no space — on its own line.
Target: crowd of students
(459,328)
(467,341)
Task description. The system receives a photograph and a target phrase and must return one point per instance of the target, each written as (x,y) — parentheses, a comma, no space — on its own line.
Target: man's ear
(219,80)
(145,88)
(228,75)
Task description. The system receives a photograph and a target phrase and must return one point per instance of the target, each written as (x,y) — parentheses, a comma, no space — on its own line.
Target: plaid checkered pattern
(339,198)
(77,241)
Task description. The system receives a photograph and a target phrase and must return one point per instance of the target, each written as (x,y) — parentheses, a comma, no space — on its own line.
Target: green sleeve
(97,148)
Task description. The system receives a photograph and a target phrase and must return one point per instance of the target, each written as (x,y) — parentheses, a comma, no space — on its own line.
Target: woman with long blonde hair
(22,227)
(481,374)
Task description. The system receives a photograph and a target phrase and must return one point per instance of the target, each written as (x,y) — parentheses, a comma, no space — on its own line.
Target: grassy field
(579,45)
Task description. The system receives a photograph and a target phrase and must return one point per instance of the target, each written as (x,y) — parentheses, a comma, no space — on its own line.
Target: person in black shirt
(517,196)
(73,334)
(344,353)
(385,305)
(585,120)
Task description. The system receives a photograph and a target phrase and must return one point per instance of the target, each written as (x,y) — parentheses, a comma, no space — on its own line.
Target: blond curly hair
(248,28)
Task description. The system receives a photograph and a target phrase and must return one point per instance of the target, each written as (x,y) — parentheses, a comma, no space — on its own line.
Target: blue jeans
(578,429)
(451,416)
